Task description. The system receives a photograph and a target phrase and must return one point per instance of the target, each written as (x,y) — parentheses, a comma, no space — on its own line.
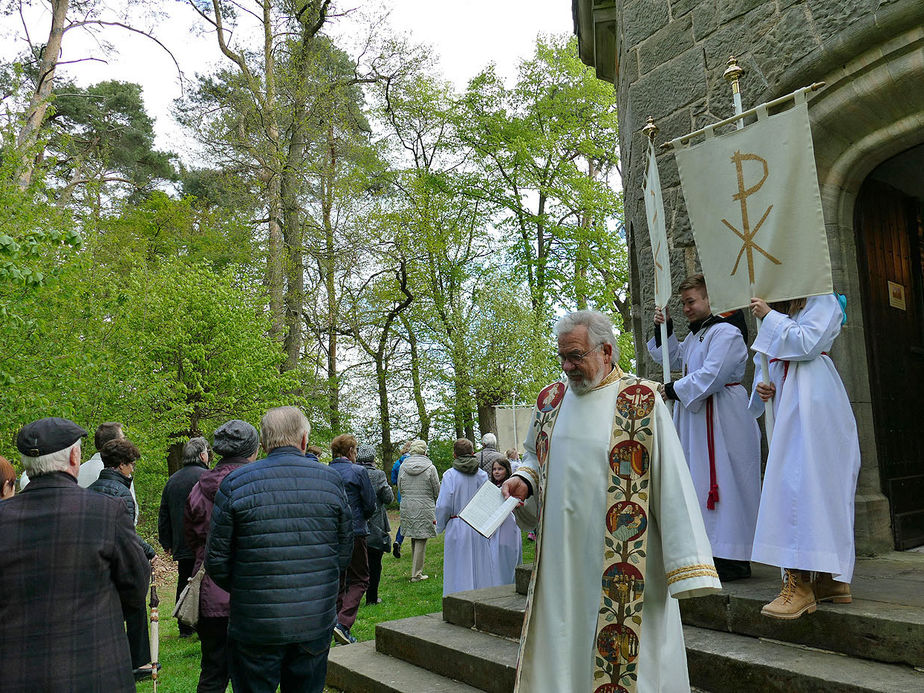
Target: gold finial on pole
(733,73)
(650,129)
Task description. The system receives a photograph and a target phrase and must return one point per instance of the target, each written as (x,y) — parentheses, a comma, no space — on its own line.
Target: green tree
(544,149)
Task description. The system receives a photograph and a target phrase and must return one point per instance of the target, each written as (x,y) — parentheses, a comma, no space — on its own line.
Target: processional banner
(754,205)
(657,229)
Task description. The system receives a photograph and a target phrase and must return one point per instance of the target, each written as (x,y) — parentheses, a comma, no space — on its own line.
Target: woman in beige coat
(419,486)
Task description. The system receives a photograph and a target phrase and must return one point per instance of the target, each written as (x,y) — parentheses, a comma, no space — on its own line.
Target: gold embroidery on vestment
(698,566)
(697,573)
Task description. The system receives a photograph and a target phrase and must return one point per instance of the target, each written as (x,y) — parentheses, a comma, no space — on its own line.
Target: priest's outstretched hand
(515,486)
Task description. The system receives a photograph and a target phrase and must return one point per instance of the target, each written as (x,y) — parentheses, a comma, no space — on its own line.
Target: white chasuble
(807,503)
(720,437)
(596,623)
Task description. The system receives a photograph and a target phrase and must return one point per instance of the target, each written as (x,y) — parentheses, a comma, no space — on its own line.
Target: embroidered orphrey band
(619,619)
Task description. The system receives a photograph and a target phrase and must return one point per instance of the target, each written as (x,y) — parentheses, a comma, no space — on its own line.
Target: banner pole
(650,130)
(733,74)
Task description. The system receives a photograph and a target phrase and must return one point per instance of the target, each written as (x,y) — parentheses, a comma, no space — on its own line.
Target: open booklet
(487,509)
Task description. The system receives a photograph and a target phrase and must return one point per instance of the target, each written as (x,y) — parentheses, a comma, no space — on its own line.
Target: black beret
(48,435)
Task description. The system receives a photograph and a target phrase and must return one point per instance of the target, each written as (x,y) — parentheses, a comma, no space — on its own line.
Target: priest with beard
(620,536)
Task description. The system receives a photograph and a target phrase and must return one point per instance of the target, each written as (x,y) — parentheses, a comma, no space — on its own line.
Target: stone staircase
(874,644)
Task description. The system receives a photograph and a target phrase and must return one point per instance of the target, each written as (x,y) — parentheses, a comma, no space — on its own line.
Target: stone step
(360,669)
(883,623)
(522,576)
(720,662)
(496,610)
(487,662)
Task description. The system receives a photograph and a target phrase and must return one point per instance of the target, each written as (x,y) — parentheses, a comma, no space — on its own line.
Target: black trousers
(294,668)
(136,628)
(214,673)
(375,574)
(184,572)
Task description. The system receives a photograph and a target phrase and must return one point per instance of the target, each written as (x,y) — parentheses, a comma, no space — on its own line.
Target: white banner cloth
(753,200)
(657,229)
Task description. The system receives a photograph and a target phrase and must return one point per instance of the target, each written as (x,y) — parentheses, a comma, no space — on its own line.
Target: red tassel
(712,498)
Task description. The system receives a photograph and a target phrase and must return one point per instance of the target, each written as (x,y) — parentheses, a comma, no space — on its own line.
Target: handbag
(186,610)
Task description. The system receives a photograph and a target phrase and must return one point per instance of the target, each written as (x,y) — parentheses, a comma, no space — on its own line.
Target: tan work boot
(827,589)
(796,597)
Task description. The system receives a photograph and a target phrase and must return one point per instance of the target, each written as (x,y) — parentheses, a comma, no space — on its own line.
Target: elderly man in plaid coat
(68,559)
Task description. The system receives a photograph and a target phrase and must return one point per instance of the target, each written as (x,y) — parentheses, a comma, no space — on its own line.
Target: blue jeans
(399,537)
(295,668)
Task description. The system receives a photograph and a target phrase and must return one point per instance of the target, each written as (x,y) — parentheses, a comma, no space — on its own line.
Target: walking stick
(155,632)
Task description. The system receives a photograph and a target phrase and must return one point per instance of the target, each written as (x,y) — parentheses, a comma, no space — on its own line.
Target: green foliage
(102,132)
(197,349)
(544,149)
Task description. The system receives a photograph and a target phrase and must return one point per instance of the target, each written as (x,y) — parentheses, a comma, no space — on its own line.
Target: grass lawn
(402,599)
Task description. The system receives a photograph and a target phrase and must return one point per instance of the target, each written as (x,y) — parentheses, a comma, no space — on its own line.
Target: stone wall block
(678,229)
(738,37)
(705,19)
(665,44)
(642,18)
(671,86)
(732,9)
(833,16)
(789,40)
(667,168)
(630,66)
(681,7)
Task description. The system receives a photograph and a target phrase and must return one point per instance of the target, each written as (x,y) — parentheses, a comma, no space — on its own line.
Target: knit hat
(235,438)
(365,455)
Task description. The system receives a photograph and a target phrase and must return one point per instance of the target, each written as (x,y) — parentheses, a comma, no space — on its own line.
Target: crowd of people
(627,500)
(283,549)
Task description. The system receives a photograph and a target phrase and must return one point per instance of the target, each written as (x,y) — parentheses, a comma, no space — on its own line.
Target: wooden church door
(889,248)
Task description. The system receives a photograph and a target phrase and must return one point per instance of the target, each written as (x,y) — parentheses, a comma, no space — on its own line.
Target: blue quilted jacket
(281,533)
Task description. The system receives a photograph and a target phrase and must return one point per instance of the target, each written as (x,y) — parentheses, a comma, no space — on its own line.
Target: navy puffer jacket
(281,533)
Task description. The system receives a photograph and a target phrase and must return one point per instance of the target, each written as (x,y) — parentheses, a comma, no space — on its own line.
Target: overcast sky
(466,34)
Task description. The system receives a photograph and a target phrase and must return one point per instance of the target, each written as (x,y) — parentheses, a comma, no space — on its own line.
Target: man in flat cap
(236,442)
(69,559)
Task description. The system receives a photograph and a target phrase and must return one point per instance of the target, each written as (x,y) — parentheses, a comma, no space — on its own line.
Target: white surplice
(711,360)
(807,504)
(558,651)
(467,560)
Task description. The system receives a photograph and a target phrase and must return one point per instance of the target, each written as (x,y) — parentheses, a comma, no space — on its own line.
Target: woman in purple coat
(237,442)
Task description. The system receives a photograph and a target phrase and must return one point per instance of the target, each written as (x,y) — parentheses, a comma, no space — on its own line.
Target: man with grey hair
(281,534)
(488,453)
(619,518)
(69,561)
(173,504)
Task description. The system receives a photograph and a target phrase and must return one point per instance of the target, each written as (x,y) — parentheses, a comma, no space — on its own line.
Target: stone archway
(871,109)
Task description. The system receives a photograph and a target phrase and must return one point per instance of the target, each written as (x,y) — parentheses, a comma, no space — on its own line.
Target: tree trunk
(274,260)
(415,381)
(293,238)
(174,457)
(330,285)
(487,419)
(381,371)
(38,104)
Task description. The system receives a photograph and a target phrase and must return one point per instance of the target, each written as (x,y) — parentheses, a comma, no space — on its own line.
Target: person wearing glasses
(620,535)
(119,459)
